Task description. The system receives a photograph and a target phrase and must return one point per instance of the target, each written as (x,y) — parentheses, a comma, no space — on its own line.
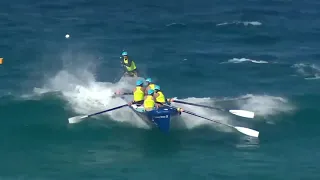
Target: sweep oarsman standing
(130,65)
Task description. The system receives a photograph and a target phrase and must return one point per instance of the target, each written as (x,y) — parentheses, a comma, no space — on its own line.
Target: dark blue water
(260,56)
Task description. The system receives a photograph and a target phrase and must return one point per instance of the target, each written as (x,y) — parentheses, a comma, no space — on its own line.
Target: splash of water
(264,105)
(308,71)
(86,95)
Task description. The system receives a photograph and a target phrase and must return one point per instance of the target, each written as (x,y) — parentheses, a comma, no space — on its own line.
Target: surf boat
(160,117)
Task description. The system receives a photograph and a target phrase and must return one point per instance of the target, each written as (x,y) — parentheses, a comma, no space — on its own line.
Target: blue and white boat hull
(160,117)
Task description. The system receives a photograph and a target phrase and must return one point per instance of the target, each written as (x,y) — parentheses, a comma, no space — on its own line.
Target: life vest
(151,86)
(160,98)
(138,94)
(129,68)
(149,102)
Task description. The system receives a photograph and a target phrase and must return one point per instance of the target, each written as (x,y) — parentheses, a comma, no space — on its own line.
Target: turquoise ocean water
(261,56)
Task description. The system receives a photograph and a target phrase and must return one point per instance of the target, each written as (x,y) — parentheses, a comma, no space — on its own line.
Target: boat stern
(162,117)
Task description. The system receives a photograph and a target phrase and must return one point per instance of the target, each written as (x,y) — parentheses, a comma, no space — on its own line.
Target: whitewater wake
(85,95)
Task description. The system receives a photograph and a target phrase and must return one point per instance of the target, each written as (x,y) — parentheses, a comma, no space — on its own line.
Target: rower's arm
(146,90)
(129,93)
(125,93)
(168,101)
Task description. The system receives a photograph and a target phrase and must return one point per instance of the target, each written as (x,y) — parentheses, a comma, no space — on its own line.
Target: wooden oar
(244,130)
(77,119)
(242,113)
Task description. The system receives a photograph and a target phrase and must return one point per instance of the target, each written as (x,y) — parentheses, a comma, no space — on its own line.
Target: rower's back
(149,101)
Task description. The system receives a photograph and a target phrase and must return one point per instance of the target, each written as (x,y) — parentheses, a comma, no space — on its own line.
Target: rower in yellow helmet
(130,66)
(149,101)
(138,94)
(159,96)
(150,85)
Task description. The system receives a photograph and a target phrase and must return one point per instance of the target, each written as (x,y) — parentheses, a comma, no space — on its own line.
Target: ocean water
(261,56)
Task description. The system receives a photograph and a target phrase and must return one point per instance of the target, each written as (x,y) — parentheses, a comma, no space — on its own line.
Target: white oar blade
(247,131)
(242,113)
(76,119)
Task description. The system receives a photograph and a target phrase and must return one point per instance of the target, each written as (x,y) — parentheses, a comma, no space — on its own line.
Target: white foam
(176,24)
(85,95)
(245,23)
(264,105)
(316,76)
(241,60)
(261,105)
(309,71)
(191,121)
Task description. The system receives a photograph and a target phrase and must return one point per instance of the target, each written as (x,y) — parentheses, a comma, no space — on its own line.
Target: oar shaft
(247,131)
(194,114)
(242,113)
(77,119)
(107,110)
(199,105)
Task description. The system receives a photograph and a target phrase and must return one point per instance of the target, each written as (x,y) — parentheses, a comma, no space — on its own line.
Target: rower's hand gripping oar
(244,130)
(77,119)
(242,113)
(118,94)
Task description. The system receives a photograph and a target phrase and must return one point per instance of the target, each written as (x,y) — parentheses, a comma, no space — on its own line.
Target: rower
(130,66)
(160,98)
(138,94)
(150,85)
(149,101)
